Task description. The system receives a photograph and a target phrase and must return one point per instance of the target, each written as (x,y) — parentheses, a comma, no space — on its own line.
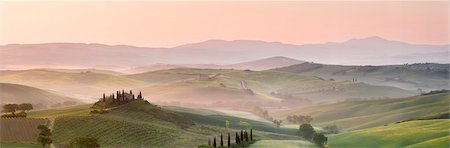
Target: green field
(352,115)
(80,110)
(419,133)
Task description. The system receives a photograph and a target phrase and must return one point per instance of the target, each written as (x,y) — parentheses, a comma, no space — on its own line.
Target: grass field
(352,115)
(283,144)
(418,133)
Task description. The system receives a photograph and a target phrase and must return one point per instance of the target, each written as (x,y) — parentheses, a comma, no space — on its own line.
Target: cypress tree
(133,96)
(209,141)
(246,136)
(214,143)
(251,134)
(237,138)
(131,92)
(140,95)
(242,136)
(221,139)
(104,98)
(229,140)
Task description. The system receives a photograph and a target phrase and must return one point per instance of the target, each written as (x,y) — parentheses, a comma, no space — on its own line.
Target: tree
(320,139)
(209,141)
(277,122)
(237,138)
(331,129)
(251,134)
(84,142)
(306,131)
(229,140)
(25,107)
(221,140)
(10,108)
(44,136)
(214,142)
(242,136)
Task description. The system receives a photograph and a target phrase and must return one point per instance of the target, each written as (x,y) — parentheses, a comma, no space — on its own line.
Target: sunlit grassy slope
(418,133)
(364,114)
(15,93)
(139,124)
(427,76)
(80,110)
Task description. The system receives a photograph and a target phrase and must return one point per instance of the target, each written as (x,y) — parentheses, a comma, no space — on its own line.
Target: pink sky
(167,24)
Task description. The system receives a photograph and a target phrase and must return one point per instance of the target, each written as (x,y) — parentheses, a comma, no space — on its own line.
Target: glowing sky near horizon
(167,24)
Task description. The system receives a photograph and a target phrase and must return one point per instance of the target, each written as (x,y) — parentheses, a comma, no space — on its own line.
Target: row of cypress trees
(244,136)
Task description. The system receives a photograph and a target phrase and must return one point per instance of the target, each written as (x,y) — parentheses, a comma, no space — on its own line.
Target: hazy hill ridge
(372,50)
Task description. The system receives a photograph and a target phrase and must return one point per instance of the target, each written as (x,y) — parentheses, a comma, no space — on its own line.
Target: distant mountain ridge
(366,51)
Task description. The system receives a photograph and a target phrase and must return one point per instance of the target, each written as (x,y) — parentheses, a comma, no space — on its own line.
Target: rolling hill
(204,86)
(426,76)
(352,115)
(139,124)
(84,85)
(15,93)
(417,134)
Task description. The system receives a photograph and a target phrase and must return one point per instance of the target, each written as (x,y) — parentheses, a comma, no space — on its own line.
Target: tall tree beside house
(237,138)
(221,140)
(104,98)
(229,140)
(251,134)
(242,135)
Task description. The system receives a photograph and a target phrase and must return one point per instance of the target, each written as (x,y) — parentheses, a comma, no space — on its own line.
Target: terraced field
(419,133)
(20,129)
(12,144)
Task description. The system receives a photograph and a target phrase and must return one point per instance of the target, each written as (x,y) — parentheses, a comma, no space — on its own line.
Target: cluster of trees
(12,108)
(307,132)
(44,136)
(118,98)
(277,122)
(331,129)
(244,139)
(300,119)
(262,113)
(84,142)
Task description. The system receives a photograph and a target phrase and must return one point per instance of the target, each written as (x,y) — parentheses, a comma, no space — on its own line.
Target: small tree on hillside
(277,122)
(12,108)
(306,131)
(44,136)
(320,139)
(25,107)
